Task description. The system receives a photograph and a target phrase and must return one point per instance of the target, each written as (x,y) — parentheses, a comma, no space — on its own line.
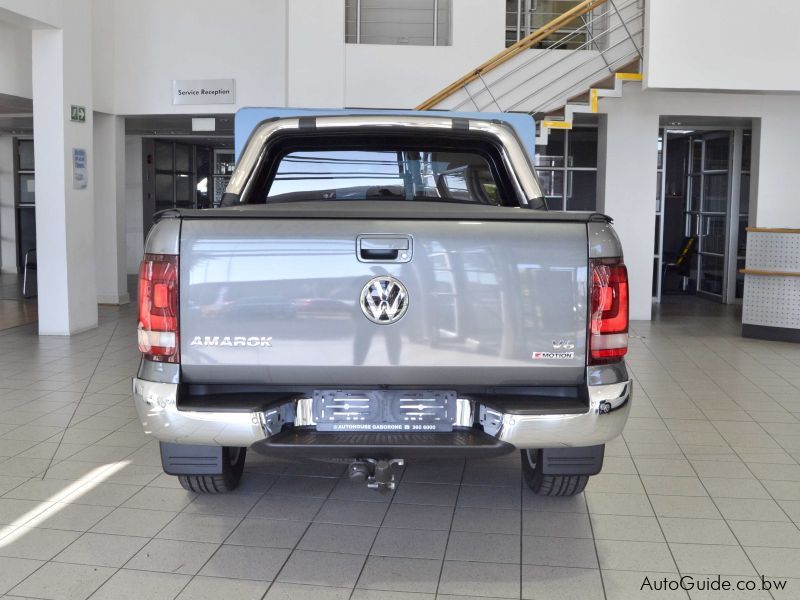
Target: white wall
(722,45)
(157,41)
(34,13)
(382,76)
(103,56)
(134,229)
(15,60)
(8,229)
(281,53)
(315,54)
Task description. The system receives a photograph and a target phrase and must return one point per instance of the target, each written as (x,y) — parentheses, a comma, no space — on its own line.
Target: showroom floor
(706,481)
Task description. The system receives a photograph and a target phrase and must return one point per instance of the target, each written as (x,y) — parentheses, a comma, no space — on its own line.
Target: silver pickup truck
(378,289)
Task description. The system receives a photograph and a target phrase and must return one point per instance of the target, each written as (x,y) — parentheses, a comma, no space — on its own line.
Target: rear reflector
(158,307)
(608,324)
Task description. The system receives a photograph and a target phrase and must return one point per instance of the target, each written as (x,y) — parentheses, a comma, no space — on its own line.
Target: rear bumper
(609,405)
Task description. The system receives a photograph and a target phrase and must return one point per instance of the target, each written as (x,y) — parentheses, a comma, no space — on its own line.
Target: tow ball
(380,475)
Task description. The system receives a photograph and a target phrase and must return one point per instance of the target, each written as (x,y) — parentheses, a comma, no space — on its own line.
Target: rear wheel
(228,480)
(549,485)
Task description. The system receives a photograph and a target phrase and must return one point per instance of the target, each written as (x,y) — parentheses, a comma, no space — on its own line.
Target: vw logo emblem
(384,300)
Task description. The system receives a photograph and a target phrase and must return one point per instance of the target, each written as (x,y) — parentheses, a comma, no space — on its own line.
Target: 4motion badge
(562,350)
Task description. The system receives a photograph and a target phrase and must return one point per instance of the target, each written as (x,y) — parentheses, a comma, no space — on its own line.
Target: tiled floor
(14,309)
(705,481)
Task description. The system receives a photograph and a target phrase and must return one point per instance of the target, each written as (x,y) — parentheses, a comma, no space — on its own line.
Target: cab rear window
(407,174)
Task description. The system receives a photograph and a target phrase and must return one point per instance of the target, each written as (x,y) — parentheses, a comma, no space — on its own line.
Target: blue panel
(248,118)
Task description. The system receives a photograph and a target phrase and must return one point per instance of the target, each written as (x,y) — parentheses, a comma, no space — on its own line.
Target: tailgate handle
(383,248)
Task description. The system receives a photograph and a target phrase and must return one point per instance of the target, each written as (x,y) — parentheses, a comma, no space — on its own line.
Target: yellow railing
(527,42)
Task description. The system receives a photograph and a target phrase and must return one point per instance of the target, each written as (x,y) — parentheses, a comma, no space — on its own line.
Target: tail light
(158,307)
(608,326)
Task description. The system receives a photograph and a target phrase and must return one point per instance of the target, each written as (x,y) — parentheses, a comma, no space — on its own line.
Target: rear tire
(228,480)
(549,485)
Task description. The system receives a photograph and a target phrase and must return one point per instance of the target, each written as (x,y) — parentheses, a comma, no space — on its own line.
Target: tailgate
(284,302)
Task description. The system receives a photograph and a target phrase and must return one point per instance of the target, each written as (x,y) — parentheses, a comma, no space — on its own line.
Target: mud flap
(186,459)
(587,460)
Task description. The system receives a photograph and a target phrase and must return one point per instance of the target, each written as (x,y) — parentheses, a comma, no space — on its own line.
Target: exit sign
(77,113)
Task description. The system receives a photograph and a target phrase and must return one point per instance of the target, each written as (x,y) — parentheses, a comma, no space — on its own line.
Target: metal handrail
(617,63)
(552,65)
(502,57)
(574,88)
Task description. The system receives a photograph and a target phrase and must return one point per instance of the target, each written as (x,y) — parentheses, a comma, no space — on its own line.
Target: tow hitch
(380,475)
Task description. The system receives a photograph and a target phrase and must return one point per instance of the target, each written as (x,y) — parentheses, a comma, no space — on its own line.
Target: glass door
(702,209)
(707,210)
(25,176)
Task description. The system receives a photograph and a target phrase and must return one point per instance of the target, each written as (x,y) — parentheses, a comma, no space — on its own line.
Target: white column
(62,76)
(627,193)
(109,208)
(134,227)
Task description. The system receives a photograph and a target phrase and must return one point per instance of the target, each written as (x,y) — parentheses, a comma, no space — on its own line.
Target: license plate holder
(406,411)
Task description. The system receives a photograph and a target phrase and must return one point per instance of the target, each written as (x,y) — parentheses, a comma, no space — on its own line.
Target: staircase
(554,84)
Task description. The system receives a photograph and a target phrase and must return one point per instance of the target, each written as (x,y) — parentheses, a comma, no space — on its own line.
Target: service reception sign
(203,91)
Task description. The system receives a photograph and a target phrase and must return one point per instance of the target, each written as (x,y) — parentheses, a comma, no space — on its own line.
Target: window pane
(742,239)
(350,21)
(554,203)
(163,156)
(694,198)
(715,197)
(582,190)
(744,194)
(697,155)
(384,175)
(443,24)
(739,278)
(747,145)
(407,23)
(717,150)
(658,192)
(552,182)
(164,191)
(27,231)
(182,158)
(713,235)
(583,148)
(660,148)
(553,154)
(27,193)
(658,234)
(511,22)
(183,191)
(655,277)
(25,155)
(693,230)
(711,274)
